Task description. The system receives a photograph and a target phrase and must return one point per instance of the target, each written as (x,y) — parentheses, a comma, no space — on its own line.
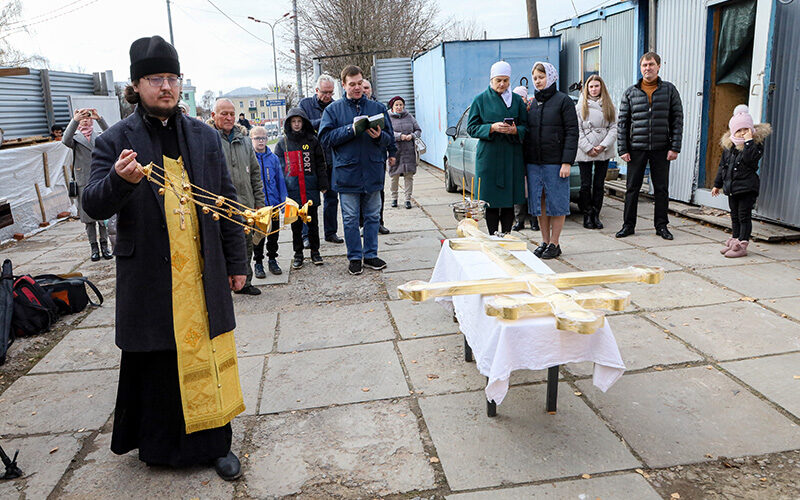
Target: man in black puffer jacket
(650,129)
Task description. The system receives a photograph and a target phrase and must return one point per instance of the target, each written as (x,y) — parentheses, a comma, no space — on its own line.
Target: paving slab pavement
(361,450)
(339,375)
(80,350)
(322,326)
(650,240)
(733,330)
(613,259)
(588,242)
(251,373)
(43,460)
(393,280)
(421,319)
(409,241)
(790,306)
(617,487)
(678,289)
(776,251)
(405,260)
(284,261)
(762,281)
(680,416)
(103,315)
(255,333)
(776,377)
(705,255)
(522,443)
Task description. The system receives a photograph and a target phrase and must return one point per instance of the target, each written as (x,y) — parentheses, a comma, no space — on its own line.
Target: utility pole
(169,17)
(533,19)
(274,53)
(297,52)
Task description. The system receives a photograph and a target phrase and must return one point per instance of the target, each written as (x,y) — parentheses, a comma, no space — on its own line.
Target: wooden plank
(41,204)
(46,169)
(14,71)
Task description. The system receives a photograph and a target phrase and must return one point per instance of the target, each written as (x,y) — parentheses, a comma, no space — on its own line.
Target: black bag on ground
(68,293)
(6,309)
(34,310)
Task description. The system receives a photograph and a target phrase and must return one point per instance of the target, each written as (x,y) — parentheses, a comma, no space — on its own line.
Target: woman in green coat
(499,119)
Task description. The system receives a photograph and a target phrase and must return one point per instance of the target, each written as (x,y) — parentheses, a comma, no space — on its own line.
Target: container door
(762,59)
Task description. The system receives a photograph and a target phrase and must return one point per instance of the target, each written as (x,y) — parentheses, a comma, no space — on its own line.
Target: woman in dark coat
(406,129)
(497,117)
(550,148)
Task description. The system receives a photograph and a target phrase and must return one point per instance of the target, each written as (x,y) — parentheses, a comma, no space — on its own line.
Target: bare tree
(462,29)
(334,27)
(9,25)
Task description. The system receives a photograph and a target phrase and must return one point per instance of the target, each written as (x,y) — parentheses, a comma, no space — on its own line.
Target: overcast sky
(95,35)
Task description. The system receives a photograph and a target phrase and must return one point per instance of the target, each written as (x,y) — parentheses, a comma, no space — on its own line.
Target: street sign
(276,102)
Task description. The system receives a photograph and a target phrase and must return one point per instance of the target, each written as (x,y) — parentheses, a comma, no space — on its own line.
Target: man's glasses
(259,138)
(158,81)
(323,92)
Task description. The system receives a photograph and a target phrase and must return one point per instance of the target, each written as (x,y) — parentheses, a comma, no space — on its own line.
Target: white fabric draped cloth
(500,347)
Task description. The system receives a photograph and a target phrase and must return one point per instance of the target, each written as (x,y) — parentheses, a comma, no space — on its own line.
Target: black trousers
(741,212)
(271,243)
(313,232)
(521,213)
(149,415)
(659,175)
(503,217)
(592,188)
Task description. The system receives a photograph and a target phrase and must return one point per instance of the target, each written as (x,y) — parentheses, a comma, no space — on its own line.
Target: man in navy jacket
(358,166)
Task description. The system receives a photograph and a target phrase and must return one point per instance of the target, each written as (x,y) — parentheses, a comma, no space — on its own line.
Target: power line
(37,16)
(237,24)
(20,29)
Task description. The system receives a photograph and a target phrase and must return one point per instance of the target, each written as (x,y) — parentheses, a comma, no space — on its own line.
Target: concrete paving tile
(255,333)
(332,376)
(704,255)
(357,451)
(324,326)
(789,306)
(427,199)
(404,260)
(711,232)
(58,402)
(731,331)
(678,416)
(82,349)
(678,289)
(642,345)
(421,319)
(105,475)
(776,377)
(443,357)
(647,238)
(251,371)
(777,251)
(522,443)
(326,248)
(593,241)
(393,280)
(285,262)
(762,281)
(19,255)
(614,259)
(621,487)
(42,468)
(410,241)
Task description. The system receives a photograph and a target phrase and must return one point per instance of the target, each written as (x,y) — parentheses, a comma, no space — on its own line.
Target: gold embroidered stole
(208,370)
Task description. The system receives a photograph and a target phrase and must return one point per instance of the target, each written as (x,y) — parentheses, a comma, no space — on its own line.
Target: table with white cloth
(502,346)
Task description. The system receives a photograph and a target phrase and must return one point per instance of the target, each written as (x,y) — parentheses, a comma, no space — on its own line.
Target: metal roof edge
(599,13)
(451,42)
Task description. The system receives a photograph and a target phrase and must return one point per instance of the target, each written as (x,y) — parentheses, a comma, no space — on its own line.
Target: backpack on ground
(34,310)
(68,293)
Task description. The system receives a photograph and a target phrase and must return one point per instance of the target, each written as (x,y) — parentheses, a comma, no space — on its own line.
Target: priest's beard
(159,112)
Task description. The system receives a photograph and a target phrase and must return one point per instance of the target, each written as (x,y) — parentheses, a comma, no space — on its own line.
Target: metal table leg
(491,406)
(552,389)
(467,351)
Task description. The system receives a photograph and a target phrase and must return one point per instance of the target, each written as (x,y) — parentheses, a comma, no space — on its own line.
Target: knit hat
(394,100)
(741,119)
(500,68)
(152,55)
(521,91)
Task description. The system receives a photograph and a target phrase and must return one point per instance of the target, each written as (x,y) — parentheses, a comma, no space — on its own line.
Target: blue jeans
(353,206)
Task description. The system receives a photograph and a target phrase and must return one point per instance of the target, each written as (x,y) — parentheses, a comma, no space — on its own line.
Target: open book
(363,122)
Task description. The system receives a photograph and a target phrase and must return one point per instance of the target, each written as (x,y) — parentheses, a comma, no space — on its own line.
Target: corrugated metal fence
(23,103)
(392,77)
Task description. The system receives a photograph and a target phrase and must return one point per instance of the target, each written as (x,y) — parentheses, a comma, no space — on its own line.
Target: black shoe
(228,467)
(588,222)
(334,239)
(518,226)
(273,266)
(375,263)
(540,249)
(316,258)
(394,203)
(408,204)
(95,255)
(355,267)
(104,251)
(297,262)
(306,243)
(596,220)
(383,230)
(249,290)
(625,231)
(551,252)
(664,233)
(535,224)
(259,270)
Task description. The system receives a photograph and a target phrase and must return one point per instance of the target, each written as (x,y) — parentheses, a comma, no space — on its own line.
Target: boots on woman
(738,249)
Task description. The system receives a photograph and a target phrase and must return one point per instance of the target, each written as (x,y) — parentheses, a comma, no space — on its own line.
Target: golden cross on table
(182,212)
(573,311)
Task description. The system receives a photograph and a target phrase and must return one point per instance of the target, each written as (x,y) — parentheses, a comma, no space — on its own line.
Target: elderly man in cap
(178,382)
(244,169)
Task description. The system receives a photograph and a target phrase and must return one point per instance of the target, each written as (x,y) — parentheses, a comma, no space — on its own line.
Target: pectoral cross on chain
(182,212)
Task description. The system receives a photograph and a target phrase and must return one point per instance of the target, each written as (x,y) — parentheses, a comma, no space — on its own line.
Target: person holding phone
(497,117)
(80,137)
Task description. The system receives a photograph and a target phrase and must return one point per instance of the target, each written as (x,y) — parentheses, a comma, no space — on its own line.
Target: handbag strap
(75,279)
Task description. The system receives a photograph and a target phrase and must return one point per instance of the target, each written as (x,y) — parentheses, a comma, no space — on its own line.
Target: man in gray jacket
(244,169)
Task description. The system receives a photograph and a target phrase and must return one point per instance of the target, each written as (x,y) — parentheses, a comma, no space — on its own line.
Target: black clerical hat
(152,55)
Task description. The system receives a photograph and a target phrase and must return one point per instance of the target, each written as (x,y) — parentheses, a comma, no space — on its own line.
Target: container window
(590,59)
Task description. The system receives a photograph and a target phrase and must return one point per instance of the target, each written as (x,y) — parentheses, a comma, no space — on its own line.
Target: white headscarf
(502,68)
(549,71)
(521,91)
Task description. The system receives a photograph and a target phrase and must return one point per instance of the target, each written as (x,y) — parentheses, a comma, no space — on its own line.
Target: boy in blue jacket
(274,194)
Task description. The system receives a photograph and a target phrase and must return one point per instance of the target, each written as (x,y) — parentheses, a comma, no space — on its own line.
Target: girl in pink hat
(737,176)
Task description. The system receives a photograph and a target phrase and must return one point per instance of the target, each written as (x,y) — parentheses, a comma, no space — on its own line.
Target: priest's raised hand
(127,167)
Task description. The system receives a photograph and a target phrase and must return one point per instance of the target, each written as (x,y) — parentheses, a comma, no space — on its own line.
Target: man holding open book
(359,133)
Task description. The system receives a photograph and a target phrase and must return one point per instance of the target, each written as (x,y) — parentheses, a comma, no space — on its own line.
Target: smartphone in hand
(508,121)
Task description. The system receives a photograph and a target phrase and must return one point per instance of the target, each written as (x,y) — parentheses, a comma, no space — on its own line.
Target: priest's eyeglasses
(158,81)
